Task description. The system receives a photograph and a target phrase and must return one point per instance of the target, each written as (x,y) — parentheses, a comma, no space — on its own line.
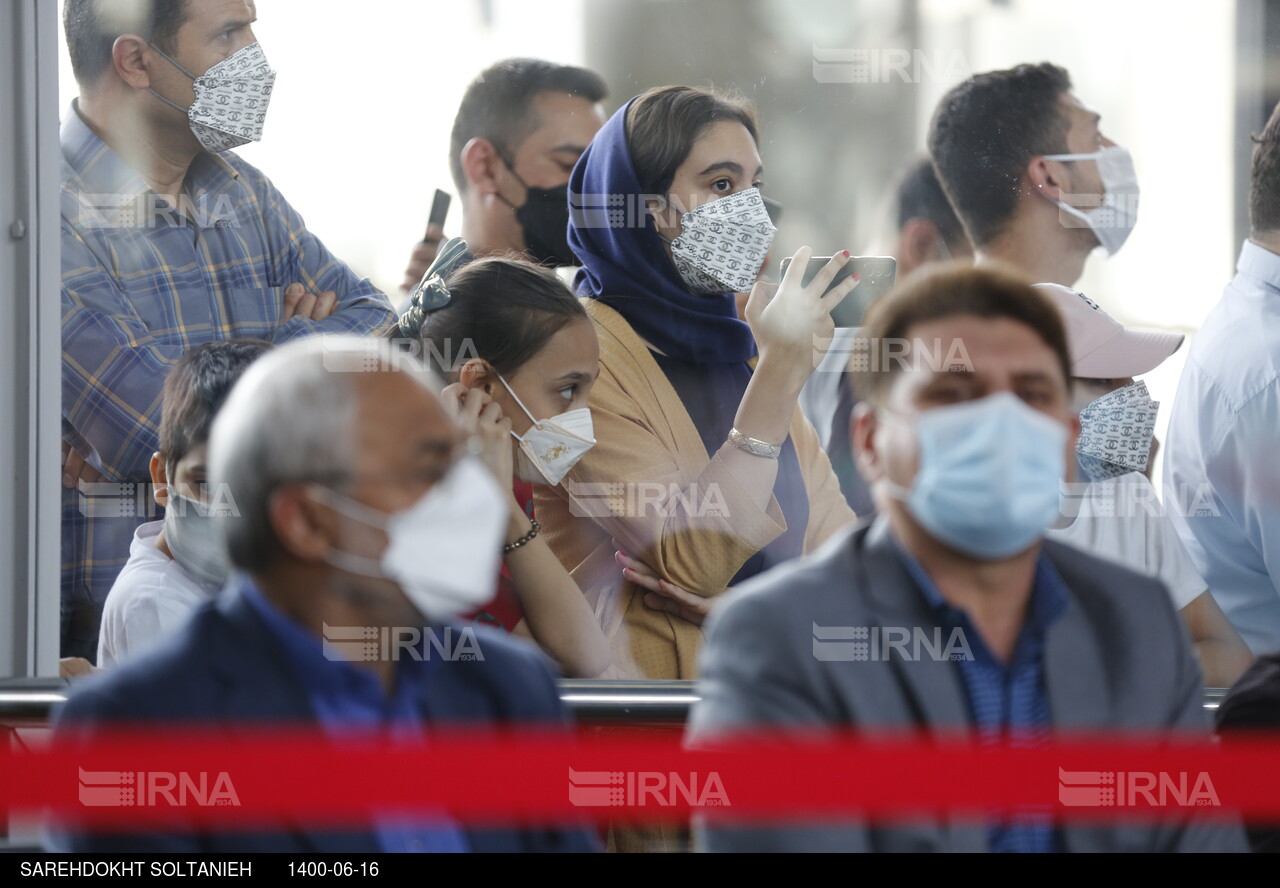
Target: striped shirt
(1008,702)
(143,282)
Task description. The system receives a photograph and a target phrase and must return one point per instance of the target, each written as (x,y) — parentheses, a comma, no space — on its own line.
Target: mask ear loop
(171,61)
(511,392)
(509,163)
(666,202)
(366,515)
(151,89)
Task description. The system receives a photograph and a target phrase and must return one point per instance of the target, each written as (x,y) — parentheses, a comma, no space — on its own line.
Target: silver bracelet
(754,446)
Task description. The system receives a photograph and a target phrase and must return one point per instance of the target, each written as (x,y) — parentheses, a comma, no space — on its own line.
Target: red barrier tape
(181,778)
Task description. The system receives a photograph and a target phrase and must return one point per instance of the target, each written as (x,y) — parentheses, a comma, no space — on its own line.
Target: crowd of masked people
(654,466)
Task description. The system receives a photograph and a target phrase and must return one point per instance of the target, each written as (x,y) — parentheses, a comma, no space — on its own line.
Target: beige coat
(650,484)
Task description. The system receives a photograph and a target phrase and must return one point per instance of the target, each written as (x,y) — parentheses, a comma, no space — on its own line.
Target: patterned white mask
(1116,432)
(552,446)
(231,99)
(722,244)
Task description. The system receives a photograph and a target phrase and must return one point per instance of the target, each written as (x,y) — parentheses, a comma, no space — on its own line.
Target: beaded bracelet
(533,532)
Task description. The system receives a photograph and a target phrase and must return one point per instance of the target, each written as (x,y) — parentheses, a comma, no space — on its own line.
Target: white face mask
(552,446)
(192,534)
(1114,219)
(231,99)
(722,244)
(444,551)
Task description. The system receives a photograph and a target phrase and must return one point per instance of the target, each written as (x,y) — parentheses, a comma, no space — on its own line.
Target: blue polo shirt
(1008,702)
(346,697)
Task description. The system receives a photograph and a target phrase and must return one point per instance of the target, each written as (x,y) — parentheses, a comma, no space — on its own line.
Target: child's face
(188,478)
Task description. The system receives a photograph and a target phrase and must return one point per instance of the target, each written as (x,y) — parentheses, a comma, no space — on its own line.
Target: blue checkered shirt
(1008,702)
(142,283)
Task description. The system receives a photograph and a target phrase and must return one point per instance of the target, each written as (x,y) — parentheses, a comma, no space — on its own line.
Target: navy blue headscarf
(625,264)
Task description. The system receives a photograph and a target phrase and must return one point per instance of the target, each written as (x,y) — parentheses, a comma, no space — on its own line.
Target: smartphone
(878,274)
(439,210)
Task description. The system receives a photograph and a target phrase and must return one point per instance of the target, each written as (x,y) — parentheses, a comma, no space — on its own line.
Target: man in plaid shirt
(166,244)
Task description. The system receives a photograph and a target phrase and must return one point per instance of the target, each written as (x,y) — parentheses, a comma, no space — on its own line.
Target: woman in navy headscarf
(704,469)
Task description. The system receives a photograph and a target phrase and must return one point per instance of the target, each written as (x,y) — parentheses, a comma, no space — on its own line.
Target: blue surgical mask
(989,475)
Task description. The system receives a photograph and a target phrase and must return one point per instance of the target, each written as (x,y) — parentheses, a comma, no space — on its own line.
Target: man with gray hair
(354,506)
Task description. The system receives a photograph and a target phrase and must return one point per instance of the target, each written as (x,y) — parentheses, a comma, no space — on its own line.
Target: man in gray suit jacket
(1023,638)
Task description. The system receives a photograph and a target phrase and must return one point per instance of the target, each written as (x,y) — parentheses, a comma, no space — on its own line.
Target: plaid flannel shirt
(143,282)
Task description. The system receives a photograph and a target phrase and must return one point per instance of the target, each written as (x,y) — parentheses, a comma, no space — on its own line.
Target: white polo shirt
(151,597)
(1121,520)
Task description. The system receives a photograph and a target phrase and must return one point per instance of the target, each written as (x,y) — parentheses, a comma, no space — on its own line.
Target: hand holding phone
(789,317)
(439,212)
(425,252)
(878,275)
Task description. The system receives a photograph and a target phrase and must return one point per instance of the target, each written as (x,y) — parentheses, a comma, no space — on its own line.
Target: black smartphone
(878,274)
(439,210)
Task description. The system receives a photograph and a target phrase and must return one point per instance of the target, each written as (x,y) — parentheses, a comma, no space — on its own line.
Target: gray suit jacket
(1118,658)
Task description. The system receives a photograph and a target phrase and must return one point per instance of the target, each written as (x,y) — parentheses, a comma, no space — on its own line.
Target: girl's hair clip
(432,294)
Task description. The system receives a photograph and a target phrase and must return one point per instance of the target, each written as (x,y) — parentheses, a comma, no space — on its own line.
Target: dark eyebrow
(574,149)
(575,376)
(728,166)
(233,25)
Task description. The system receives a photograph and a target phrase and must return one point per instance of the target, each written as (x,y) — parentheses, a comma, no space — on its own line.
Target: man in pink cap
(1112,509)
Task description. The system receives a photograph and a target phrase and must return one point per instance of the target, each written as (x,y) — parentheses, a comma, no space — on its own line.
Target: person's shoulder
(1254,700)
(490,662)
(245,171)
(816,568)
(1236,351)
(802,587)
(145,566)
(493,648)
(613,331)
(502,650)
(151,578)
(1129,500)
(152,684)
(1102,582)
(254,184)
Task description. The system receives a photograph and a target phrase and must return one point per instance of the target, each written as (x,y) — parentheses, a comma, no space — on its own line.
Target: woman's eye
(722,186)
(568,392)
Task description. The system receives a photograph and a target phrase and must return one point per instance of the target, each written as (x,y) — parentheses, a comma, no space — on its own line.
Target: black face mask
(544,219)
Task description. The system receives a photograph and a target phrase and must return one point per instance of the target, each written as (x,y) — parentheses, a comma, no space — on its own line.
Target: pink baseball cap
(1102,347)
